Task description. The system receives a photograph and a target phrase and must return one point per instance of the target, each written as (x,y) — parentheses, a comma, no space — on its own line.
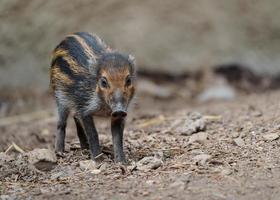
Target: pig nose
(119,114)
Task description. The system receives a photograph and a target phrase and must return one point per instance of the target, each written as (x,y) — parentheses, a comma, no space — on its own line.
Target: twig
(9,148)
(153,121)
(99,155)
(16,147)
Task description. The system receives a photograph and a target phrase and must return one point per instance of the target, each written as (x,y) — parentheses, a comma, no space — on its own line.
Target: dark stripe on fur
(75,50)
(93,43)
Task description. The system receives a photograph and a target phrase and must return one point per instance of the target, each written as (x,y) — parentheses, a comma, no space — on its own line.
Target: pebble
(199,138)
(178,185)
(194,123)
(64,172)
(5,157)
(95,171)
(104,166)
(271,136)
(217,92)
(150,88)
(88,165)
(239,142)
(257,113)
(226,172)
(8,197)
(235,134)
(150,182)
(42,159)
(149,163)
(202,159)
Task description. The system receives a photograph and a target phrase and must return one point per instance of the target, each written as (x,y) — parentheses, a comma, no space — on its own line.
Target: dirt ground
(235,157)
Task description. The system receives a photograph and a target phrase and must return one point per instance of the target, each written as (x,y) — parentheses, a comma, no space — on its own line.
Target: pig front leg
(117,127)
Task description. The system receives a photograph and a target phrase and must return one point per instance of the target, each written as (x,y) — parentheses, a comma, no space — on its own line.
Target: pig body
(91,79)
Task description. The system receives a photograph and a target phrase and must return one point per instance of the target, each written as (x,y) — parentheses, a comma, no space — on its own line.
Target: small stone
(148,163)
(159,155)
(271,136)
(226,172)
(202,159)
(199,138)
(151,182)
(45,132)
(7,197)
(95,171)
(239,142)
(88,165)
(150,88)
(66,172)
(194,123)
(42,159)
(104,166)
(257,113)
(5,157)
(235,134)
(57,175)
(178,185)
(217,92)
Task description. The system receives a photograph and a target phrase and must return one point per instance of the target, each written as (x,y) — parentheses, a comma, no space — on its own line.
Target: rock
(239,142)
(198,137)
(226,172)
(235,134)
(88,165)
(159,155)
(8,197)
(45,132)
(271,136)
(150,182)
(104,166)
(217,92)
(257,113)
(201,159)
(193,124)
(5,157)
(64,173)
(150,88)
(42,159)
(178,185)
(148,163)
(95,171)
(58,175)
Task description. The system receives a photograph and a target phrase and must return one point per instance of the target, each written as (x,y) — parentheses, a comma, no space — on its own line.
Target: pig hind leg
(81,133)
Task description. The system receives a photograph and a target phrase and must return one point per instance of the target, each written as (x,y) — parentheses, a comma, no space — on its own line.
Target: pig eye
(103,82)
(128,81)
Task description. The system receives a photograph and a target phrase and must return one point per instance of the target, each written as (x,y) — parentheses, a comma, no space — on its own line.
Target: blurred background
(206,114)
(180,42)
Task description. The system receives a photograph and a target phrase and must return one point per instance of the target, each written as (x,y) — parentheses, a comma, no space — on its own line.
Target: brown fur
(116,80)
(59,77)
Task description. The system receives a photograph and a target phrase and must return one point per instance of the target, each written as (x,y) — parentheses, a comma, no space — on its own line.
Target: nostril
(119,114)
(114,114)
(123,114)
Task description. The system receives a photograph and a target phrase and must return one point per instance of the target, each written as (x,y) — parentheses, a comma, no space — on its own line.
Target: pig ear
(131,60)
(92,65)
